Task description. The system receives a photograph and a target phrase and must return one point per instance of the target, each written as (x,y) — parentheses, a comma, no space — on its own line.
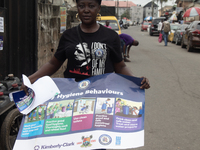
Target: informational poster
(105,111)
(1,42)
(63,18)
(2,24)
(39,92)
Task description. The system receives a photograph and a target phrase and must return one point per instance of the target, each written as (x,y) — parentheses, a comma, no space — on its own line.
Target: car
(154,25)
(125,24)
(178,34)
(191,36)
(174,27)
(130,23)
(148,28)
(144,26)
(114,24)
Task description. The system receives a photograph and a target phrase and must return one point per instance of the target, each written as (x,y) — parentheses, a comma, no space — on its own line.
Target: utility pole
(152,7)
(117,9)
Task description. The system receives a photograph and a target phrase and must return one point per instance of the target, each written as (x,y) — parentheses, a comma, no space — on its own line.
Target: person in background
(107,24)
(126,42)
(160,26)
(121,23)
(165,30)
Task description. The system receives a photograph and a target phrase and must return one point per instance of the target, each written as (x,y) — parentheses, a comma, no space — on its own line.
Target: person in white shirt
(160,26)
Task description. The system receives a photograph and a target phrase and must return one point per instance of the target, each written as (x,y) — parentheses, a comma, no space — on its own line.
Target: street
(172,117)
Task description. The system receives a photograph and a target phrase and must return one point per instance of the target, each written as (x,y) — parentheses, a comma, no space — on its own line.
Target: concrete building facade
(147,10)
(136,13)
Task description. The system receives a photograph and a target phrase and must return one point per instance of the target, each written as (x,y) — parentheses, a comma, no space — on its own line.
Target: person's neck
(89,28)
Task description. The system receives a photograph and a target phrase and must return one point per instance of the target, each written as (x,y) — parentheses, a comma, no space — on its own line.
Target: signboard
(62,19)
(2,24)
(105,111)
(1,42)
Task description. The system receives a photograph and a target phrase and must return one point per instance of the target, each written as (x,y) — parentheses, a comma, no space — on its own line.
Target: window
(198,26)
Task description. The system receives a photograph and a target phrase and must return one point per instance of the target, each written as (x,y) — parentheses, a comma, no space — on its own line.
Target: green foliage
(126,14)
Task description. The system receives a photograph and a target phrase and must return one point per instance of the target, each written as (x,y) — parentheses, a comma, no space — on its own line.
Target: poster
(2,24)
(1,42)
(105,111)
(62,19)
(39,92)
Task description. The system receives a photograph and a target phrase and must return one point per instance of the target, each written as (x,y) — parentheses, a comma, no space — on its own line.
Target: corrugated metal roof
(121,3)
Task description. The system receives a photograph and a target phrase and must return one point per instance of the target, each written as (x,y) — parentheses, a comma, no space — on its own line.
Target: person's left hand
(145,83)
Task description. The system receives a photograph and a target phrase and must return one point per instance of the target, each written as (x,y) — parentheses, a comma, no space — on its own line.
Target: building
(136,13)
(164,11)
(186,4)
(38,26)
(120,6)
(147,10)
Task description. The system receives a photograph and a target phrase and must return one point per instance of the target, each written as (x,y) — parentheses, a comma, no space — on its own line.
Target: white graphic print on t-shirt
(99,54)
(81,56)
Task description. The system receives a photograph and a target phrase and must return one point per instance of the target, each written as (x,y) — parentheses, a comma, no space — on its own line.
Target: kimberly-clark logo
(53,146)
(36,147)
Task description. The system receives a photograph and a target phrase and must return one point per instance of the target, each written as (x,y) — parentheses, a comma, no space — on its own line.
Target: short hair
(98,1)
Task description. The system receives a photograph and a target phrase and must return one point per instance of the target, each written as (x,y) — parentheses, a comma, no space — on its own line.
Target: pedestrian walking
(165,30)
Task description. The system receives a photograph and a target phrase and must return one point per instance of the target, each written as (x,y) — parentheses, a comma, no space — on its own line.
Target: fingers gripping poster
(105,111)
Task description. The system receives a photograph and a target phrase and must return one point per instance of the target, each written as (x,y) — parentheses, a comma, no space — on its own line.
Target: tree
(161,3)
(126,14)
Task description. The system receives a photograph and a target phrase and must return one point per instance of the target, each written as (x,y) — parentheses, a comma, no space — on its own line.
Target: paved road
(172,109)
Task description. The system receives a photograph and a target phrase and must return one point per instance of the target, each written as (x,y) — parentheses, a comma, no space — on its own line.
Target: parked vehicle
(114,24)
(130,23)
(124,25)
(148,28)
(191,36)
(154,25)
(10,117)
(144,26)
(178,34)
(174,27)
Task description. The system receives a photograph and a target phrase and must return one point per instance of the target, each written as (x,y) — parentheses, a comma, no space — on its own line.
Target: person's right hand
(24,88)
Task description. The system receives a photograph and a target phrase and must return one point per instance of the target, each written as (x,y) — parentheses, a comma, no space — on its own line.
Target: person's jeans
(165,37)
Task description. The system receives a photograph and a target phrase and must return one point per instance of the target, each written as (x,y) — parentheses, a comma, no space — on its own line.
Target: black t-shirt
(102,49)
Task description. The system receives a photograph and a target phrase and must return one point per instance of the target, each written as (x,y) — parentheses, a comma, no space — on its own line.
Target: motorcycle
(10,117)
(124,26)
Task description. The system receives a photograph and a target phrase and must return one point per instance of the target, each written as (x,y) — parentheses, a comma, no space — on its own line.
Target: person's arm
(124,50)
(121,68)
(135,43)
(47,69)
